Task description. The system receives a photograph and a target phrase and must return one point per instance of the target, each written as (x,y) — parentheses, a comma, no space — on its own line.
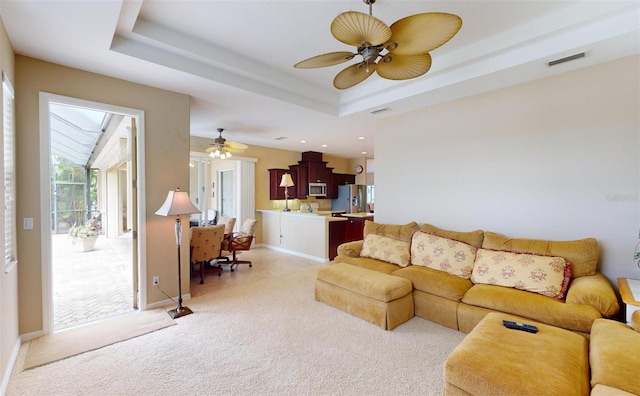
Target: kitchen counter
(309,235)
(322,214)
(361,215)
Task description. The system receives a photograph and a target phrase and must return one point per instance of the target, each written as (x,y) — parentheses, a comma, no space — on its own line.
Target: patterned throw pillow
(386,249)
(453,257)
(545,275)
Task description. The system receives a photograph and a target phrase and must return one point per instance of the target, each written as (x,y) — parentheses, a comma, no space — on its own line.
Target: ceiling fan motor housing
(369,53)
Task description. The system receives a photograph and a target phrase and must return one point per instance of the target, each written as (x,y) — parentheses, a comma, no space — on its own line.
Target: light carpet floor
(57,346)
(266,337)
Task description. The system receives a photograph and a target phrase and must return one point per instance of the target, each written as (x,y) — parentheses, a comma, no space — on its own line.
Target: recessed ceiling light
(361,138)
(363,153)
(324,145)
(303,141)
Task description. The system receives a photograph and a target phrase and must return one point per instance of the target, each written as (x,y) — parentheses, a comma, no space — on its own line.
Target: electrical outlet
(156,280)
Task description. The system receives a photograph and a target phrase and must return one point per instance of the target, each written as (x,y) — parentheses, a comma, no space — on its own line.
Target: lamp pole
(180,310)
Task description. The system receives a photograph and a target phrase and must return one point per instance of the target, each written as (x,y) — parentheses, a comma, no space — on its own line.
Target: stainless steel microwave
(317,189)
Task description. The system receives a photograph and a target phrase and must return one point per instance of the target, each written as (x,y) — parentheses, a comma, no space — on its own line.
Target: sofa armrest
(596,291)
(350,249)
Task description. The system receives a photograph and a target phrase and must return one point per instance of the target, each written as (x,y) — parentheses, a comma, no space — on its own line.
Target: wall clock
(359,169)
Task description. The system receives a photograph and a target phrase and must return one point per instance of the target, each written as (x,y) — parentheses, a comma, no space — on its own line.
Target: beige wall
(552,159)
(167,155)
(9,331)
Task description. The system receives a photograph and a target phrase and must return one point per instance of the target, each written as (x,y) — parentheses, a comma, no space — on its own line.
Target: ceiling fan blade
(422,33)
(211,149)
(355,28)
(235,146)
(403,67)
(324,60)
(353,75)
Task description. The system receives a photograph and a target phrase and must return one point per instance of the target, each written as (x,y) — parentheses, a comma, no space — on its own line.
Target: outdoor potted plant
(87,234)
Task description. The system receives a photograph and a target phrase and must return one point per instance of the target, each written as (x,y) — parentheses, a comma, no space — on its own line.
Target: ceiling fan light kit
(398,52)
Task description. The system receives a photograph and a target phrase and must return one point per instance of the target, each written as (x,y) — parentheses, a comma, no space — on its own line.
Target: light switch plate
(27,223)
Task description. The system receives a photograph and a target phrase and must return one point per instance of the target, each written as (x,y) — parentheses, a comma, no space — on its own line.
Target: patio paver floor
(93,285)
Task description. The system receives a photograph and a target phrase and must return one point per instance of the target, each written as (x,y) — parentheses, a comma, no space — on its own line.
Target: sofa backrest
(473,238)
(583,254)
(400,232)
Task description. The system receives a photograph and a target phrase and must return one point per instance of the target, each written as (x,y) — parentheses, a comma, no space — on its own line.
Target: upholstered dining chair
(229,224)
(206,243)
(239,241)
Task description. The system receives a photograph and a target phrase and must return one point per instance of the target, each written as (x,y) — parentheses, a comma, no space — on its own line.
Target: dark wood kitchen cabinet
(338,179)
(317,172)
(354,227)
(277,192)
(336,237)
(312,169)
(301,181)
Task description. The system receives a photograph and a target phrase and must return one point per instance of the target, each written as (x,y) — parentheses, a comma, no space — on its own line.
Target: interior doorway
(96,146)
(222,187)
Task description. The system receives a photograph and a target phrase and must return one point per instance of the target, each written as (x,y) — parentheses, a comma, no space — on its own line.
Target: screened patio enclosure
(78,135)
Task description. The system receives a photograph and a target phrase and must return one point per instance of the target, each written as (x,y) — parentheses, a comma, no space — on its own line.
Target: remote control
(520,326)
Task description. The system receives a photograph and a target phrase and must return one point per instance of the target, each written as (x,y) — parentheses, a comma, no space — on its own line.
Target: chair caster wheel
(219,273)
(250,265)
(232,270)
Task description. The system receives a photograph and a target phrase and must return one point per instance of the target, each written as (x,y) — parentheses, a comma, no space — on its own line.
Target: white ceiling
(235,57)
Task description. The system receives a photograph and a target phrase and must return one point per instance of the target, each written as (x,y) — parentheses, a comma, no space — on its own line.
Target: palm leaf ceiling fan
(222,148)
(403,48)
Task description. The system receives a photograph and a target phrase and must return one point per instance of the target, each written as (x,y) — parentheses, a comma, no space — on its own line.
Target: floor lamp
(286,182)
(177,204)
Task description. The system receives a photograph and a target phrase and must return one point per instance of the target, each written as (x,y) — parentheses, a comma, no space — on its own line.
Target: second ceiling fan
(222,148)
(398,52)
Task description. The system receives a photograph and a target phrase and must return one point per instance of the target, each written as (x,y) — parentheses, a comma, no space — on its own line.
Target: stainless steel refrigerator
(354,198)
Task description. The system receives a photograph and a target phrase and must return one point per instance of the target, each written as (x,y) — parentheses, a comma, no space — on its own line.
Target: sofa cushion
(442,254)
(435,282)
(473,238)
(532,305)
(386,249)
(545,275)
(583,254)
(381,287)
(614,355)
(399,232)
(368,263)
(635,321)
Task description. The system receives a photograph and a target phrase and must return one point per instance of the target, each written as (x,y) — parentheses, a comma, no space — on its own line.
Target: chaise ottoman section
(493,360)
(379,298)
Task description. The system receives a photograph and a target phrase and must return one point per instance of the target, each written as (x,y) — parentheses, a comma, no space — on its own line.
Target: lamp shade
(286,180)
(177,203)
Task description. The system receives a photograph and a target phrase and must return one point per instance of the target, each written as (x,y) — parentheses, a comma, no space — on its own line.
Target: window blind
(9,173)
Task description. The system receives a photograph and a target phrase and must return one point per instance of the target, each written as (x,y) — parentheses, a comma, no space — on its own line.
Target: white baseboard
(294,253)
(165,302)
(30,336)
(12,361)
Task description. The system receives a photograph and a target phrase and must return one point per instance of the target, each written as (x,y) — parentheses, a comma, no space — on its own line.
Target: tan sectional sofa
(459,303)
(606,361)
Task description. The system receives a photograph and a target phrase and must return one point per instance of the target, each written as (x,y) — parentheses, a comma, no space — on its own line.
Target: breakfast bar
(312,235)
